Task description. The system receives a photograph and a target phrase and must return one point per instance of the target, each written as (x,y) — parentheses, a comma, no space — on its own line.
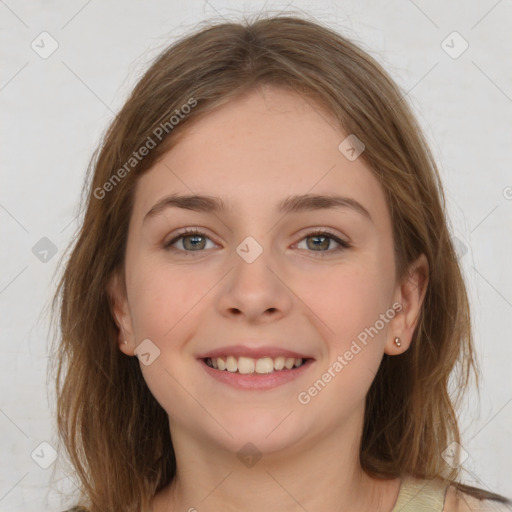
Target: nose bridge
(255,230)
(250,250)
(254,227)
(253,262)
(254,286)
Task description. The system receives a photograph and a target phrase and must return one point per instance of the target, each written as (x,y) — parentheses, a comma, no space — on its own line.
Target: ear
(409,293)
(119,307)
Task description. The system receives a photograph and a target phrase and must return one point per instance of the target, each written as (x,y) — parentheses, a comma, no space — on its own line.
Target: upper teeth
(250,365)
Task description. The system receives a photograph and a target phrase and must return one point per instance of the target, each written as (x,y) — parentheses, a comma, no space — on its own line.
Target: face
(269,278)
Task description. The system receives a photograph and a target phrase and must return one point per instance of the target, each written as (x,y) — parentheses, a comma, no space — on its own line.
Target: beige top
(416,495)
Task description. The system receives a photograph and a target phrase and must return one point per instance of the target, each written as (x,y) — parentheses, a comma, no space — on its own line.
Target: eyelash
(343,244)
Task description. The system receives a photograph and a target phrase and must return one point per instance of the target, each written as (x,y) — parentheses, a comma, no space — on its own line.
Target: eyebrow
(291,204)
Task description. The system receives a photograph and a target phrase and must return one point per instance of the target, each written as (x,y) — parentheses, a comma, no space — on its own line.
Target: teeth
(231,365)
(265,365)
(247,365)
(279,363)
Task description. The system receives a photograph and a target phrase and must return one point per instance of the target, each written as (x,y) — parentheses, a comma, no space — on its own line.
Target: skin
(253,152)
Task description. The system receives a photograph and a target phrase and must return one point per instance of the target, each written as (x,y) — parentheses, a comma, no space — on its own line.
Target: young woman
(263,305)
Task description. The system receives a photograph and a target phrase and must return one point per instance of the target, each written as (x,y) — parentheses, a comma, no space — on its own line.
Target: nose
(255,291)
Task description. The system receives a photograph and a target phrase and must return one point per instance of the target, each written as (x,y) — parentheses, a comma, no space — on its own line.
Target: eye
(322,240)
(191,240)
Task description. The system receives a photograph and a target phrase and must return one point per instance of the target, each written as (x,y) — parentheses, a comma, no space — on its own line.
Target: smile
(248,365)
(260,374)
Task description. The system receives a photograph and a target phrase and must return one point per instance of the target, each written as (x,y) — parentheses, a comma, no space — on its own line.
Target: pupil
(194,245)
(325,244)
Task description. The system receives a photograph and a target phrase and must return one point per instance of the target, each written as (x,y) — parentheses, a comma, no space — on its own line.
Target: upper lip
(253,352)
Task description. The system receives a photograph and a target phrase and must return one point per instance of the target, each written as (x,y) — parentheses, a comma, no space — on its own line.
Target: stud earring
(125,342)
(397,342)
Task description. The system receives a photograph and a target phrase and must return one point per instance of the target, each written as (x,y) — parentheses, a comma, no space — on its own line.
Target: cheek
(162,297)
(349,301)
(350,305)
(166,309)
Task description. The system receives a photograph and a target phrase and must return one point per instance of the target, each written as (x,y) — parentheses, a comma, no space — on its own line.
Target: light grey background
(55,109)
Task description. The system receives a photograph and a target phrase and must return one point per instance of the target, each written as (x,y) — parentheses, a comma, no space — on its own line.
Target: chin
(269,432)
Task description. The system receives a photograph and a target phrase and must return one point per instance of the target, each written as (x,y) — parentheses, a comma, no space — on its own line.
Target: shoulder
(457,500)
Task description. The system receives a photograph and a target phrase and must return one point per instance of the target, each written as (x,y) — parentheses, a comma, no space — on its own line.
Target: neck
(321,474)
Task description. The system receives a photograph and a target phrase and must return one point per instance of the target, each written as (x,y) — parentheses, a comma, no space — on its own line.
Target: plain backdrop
(67,67)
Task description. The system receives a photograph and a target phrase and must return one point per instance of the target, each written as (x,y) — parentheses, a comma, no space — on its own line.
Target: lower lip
(259,381)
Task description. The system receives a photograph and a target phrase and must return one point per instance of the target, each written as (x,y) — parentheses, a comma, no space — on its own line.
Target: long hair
(115,433)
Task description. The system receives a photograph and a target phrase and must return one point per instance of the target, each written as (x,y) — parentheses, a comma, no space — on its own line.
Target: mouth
(255,366)
(256,375)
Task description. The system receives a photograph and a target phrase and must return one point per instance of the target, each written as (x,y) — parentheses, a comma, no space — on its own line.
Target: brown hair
(115,432)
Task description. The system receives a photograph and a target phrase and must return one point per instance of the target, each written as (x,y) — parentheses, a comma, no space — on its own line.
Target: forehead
(257,149)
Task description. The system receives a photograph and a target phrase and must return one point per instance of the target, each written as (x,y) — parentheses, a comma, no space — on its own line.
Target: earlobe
(121,314)
(410,293)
